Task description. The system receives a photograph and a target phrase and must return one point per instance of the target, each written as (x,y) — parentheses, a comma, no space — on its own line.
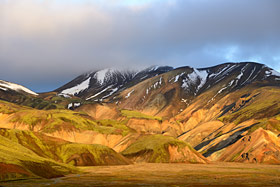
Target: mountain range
(226,113)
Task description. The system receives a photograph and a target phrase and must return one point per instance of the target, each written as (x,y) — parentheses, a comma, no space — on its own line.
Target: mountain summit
(108,83)
(8,86)
(99,85)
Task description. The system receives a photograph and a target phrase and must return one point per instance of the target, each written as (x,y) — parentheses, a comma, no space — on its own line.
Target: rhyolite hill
(229,112)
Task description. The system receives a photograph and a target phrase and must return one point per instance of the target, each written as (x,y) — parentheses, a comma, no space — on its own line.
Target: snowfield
(77,89)
(15,87)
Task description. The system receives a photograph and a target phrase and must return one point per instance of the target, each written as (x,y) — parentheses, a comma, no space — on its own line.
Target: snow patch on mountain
(202,76)
(252,72)
(102,74)
(154,68)
(129,93)
(78,88)
(222,89)
(272,72)
(155,85)
(213,75)
(111,93)
(240,75)
(193,77)
(5,89)
(15,87)
(242,72)
(64,95)
(176,78)
(73,105)
(231,82)
(97,94)
(144,77)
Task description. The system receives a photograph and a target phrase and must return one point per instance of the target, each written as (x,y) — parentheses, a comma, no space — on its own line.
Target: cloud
(44,44)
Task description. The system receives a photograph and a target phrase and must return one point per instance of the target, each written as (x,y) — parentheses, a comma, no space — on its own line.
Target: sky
(46,43)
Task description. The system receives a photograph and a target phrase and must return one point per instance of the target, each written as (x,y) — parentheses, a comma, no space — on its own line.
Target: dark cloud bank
(44,44)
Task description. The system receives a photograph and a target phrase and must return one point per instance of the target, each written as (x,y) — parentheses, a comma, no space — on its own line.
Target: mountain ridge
(97,82)
(109,90)
(5,86)
(207,112)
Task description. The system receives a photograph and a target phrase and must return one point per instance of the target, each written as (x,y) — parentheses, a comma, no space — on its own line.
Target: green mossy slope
(263,104)
(18,162)
(155,149)
(50,121)
(63,151)
(90,155)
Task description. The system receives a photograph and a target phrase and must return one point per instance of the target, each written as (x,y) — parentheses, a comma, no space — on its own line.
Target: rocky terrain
(226,113)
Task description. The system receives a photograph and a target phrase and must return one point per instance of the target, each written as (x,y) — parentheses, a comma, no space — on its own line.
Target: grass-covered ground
(151,174)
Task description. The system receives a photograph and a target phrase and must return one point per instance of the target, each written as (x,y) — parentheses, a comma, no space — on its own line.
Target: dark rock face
(108,82)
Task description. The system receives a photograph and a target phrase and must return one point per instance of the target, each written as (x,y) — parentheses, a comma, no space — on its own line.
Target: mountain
(21,95)
(210,108)
(226,113)
(107,84)
(12,87)
(14,92)
(171,92)
(99,85)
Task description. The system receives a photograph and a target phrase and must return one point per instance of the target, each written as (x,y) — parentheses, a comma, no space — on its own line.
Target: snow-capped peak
(15,87)
(94,84)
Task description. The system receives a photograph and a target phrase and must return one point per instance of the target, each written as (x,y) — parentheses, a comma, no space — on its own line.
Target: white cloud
(64,38)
